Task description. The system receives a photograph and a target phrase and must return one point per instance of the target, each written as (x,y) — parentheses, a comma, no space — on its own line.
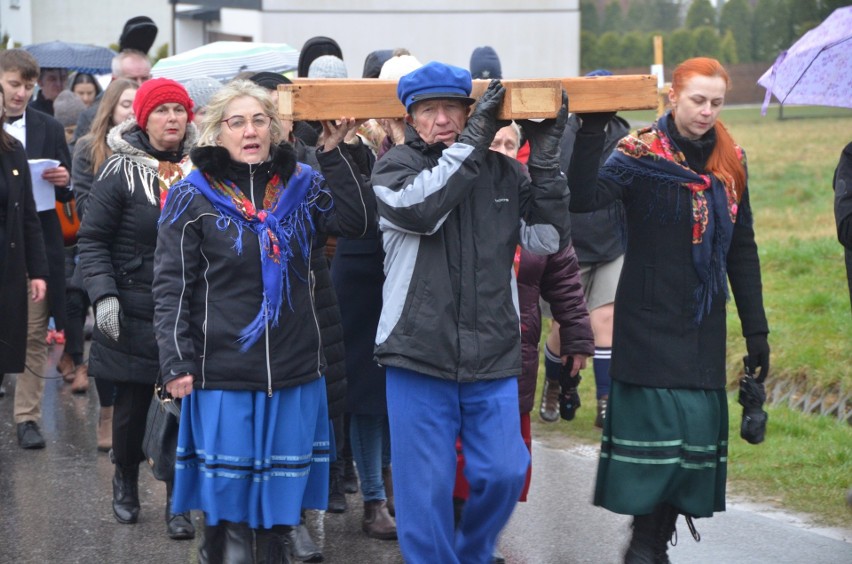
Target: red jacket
(556,278)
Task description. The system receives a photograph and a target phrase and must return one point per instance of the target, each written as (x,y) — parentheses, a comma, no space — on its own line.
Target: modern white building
(534,38)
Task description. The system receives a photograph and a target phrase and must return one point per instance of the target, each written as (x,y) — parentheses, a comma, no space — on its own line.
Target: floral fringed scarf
(286,217)
(652,155)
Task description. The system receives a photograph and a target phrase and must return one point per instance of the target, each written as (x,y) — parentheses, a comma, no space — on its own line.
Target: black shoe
(497,556)
(336,497)
(125,494)
(350,478)
(304,547)
(29,435)
(178,525)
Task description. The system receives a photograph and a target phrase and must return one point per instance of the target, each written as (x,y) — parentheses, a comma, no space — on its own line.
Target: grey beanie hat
(67,107)
(201,90)
(327,66)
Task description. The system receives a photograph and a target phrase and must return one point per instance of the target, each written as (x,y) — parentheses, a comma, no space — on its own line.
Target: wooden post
(662,89)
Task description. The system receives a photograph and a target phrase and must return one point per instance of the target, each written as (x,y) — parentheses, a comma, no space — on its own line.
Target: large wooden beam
(332,98)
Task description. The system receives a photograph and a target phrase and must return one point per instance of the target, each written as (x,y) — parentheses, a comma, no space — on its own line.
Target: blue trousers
(369,436)
(427,414)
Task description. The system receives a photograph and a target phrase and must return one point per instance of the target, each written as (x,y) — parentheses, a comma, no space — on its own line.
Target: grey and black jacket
(452,218)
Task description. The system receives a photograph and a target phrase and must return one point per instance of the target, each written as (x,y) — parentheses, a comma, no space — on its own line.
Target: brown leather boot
(80,384)
(602,404)
(65,366)
(105,429)
(378,523)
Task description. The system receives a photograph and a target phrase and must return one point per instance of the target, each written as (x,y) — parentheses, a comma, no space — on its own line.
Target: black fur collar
(215,161)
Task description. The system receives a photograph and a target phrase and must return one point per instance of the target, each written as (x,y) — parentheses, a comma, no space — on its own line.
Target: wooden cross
(316,99)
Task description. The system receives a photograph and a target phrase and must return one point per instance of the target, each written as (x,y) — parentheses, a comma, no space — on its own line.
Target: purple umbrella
(817,69)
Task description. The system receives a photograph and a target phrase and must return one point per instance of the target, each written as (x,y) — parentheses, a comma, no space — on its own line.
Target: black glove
(545,137)
(569,398)
(751,397)
(595,122)
(482,125)
(758,356)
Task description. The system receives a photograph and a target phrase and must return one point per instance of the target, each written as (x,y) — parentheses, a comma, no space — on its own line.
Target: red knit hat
(154,93)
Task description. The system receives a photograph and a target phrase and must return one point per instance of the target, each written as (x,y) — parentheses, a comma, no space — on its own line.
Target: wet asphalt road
(55,508)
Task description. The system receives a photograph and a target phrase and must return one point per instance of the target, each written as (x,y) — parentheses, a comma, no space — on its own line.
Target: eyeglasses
(238,123)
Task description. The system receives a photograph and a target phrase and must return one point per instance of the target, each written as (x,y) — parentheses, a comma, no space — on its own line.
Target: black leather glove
(545,137)
(758,356)
(482,125)
(595,122)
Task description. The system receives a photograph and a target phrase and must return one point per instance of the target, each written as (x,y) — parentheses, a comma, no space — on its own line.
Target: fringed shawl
(652,155)
(285,223)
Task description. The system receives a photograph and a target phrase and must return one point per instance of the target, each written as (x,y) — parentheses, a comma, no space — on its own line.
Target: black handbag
(161,433)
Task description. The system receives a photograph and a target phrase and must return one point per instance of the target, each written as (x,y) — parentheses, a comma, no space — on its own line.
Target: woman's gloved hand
(758,356)
(107,314)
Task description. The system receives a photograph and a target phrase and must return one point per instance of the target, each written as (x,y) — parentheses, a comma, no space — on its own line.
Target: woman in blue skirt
(237,327)
(683,182)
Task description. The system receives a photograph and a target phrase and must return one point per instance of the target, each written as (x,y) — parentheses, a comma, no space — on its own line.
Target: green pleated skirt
(663,445)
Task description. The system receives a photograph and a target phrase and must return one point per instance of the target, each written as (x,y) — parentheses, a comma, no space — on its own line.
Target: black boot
(211,548)
(178,525)
(651,536)
(237,543)
(125,493)
(350,478)
(272,546)
(336,497)
(304,547)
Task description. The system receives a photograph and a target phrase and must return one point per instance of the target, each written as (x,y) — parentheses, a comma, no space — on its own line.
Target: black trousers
(128,421)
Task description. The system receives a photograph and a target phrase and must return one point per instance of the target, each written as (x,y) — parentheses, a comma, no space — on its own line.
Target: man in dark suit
(43,138)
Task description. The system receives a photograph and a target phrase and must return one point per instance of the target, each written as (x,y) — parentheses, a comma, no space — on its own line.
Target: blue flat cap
(434,80)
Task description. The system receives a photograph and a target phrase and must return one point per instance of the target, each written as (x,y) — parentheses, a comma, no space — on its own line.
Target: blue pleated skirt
(245,457)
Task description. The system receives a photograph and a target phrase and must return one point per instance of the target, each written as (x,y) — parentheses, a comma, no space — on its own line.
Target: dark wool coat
(117,239)
(843,207)
(325,296)
(556,278)
(46,140)
(22,256)
(358,275)
(206,293)
(656,340)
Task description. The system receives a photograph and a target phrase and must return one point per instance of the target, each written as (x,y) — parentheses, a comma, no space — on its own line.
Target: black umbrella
(751,397)
(89,59)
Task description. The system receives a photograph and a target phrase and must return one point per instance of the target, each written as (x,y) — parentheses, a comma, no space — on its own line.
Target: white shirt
(18,129)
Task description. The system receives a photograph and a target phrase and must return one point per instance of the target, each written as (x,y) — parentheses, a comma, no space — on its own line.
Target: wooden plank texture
(332,98)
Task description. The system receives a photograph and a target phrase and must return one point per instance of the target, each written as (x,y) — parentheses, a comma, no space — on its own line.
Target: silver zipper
(312,279)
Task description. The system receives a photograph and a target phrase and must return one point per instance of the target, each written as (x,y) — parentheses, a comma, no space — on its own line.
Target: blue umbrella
(89,59)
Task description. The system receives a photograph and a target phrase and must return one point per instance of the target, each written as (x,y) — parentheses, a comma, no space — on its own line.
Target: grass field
(806,462)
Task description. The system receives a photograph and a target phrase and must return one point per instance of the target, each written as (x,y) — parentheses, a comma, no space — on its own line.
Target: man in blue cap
(452,214)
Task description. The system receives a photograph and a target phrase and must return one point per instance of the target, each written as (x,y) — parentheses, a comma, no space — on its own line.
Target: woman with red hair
(690,231)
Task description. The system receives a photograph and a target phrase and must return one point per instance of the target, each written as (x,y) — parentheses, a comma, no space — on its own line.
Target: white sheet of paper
(43,193)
